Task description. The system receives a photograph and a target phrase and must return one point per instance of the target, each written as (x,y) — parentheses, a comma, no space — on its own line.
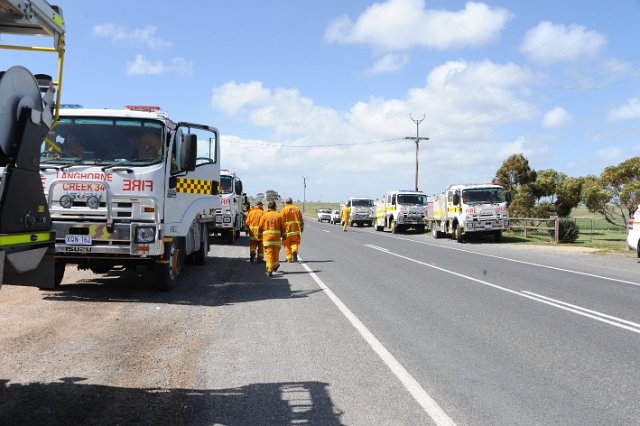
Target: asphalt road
(369,328)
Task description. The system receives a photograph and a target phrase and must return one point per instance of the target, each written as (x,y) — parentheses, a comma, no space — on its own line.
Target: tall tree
(568,195)
(616,193)
(272,195)
(514,171)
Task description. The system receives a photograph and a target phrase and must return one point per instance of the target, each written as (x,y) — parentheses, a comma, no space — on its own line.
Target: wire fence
(547,228)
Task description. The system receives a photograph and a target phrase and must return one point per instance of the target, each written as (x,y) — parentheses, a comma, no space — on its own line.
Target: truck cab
(363,211)
(401,210)
(230,216)
(130,188)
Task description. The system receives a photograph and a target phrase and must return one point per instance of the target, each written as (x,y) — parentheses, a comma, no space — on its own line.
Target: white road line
(571,271)
(427,403)
(324,230)
(525,294)
(599,316)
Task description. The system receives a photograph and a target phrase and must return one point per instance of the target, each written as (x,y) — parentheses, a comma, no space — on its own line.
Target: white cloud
(404,24)
(556,118)
(462,103)
(630,111)
(137,37)
(550,43)
(143,66)
(389,64)
(612,154)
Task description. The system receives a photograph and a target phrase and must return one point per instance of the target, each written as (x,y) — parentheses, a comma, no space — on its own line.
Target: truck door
(193,191)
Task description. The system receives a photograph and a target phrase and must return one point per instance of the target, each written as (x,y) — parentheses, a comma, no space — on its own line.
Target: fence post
(557,229)
(526,234)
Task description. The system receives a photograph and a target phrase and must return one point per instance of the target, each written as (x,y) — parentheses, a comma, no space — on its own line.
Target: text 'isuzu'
(130,189)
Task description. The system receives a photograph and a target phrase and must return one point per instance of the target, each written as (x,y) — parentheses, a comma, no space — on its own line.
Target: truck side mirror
(189,151)
(456,199)
(507,196)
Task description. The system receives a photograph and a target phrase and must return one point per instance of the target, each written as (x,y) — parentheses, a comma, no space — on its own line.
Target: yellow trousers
(291,245)
(255,245)
(272,255)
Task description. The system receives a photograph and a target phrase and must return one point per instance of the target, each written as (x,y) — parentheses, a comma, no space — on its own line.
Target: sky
(325,92)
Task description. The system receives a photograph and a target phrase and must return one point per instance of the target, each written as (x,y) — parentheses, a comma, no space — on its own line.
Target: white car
(633,232)
(335,217)
(324,214)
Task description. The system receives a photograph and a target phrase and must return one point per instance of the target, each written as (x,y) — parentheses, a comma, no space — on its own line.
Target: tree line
(615,194)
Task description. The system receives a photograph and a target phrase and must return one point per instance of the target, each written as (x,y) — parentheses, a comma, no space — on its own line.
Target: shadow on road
(223,281)
(72,402)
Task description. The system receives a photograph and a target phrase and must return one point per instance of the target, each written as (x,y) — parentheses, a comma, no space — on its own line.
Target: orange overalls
(294,226)
(253,222)
(270,232)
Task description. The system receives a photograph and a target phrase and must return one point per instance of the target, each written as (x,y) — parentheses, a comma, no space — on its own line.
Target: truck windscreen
(418,199)
(104,141)
(483,196)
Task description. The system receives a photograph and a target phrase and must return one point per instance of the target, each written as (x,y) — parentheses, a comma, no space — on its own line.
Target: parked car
(324,214)
(335,217)
(633,232)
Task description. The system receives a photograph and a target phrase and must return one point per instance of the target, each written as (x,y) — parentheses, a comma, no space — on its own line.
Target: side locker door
(193,190)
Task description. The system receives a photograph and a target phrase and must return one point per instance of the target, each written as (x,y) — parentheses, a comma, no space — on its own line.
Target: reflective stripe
(293,233)
(6,240)
(292,221)
(252,238)
(271,232)
(272,243)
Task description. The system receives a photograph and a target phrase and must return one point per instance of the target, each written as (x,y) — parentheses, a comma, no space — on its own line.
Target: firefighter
(251,226)
(345,214)
(271,233)
(294,226)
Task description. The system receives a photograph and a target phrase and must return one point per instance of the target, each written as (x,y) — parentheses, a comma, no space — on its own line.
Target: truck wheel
(58,273)
(231,236)
(394,227)
(200,257)
(434,231)
(459,235)
(170,271)
(498,236)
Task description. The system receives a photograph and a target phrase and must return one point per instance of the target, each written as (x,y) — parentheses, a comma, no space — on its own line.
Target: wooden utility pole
(417,140)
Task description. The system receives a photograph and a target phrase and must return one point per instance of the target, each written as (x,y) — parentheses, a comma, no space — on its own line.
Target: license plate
(488,226)
(78,240)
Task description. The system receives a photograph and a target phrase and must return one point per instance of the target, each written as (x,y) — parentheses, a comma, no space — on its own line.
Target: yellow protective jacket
(293,221)
(271,229)
(253,222)
(345,213)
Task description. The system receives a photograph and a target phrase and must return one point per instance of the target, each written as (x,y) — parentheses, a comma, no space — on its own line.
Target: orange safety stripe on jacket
(253,222)
(293,221)
(271,228)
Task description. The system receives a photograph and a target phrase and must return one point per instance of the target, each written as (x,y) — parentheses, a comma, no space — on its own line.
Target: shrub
(568,231)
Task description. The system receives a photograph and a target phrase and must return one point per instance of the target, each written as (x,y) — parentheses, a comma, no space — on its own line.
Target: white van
(633,231)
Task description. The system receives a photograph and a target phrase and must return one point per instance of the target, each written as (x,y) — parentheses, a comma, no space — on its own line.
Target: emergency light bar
(148,108)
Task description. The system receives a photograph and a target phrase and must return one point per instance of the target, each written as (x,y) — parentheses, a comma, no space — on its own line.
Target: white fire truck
(463,210)
(401,210)
(363,211)
(230,216)
(130,189)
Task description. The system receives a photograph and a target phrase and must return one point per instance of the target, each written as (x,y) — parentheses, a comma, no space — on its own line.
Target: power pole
(417,140)
(304,192)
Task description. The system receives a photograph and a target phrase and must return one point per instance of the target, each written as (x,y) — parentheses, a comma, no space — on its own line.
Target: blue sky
(325,89)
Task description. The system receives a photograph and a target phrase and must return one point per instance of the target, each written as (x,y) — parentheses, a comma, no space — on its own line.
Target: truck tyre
(58,273)
(170,270)
(420,229)
(498,236)
(200,257)
(434,231)
(394,227)
(459,235)
(231,236)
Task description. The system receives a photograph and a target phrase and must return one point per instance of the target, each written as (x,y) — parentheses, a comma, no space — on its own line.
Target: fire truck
(464,210)
(363,211)
(230,216)
(130,189)
(401,210)
(28,109)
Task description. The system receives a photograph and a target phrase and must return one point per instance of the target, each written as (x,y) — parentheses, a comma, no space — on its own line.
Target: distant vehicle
(401,210)
(324,214)
(363,211)
(633,232)
(335,217)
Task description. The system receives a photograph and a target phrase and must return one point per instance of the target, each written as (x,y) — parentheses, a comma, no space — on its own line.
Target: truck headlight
(66,201)
(145,234)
